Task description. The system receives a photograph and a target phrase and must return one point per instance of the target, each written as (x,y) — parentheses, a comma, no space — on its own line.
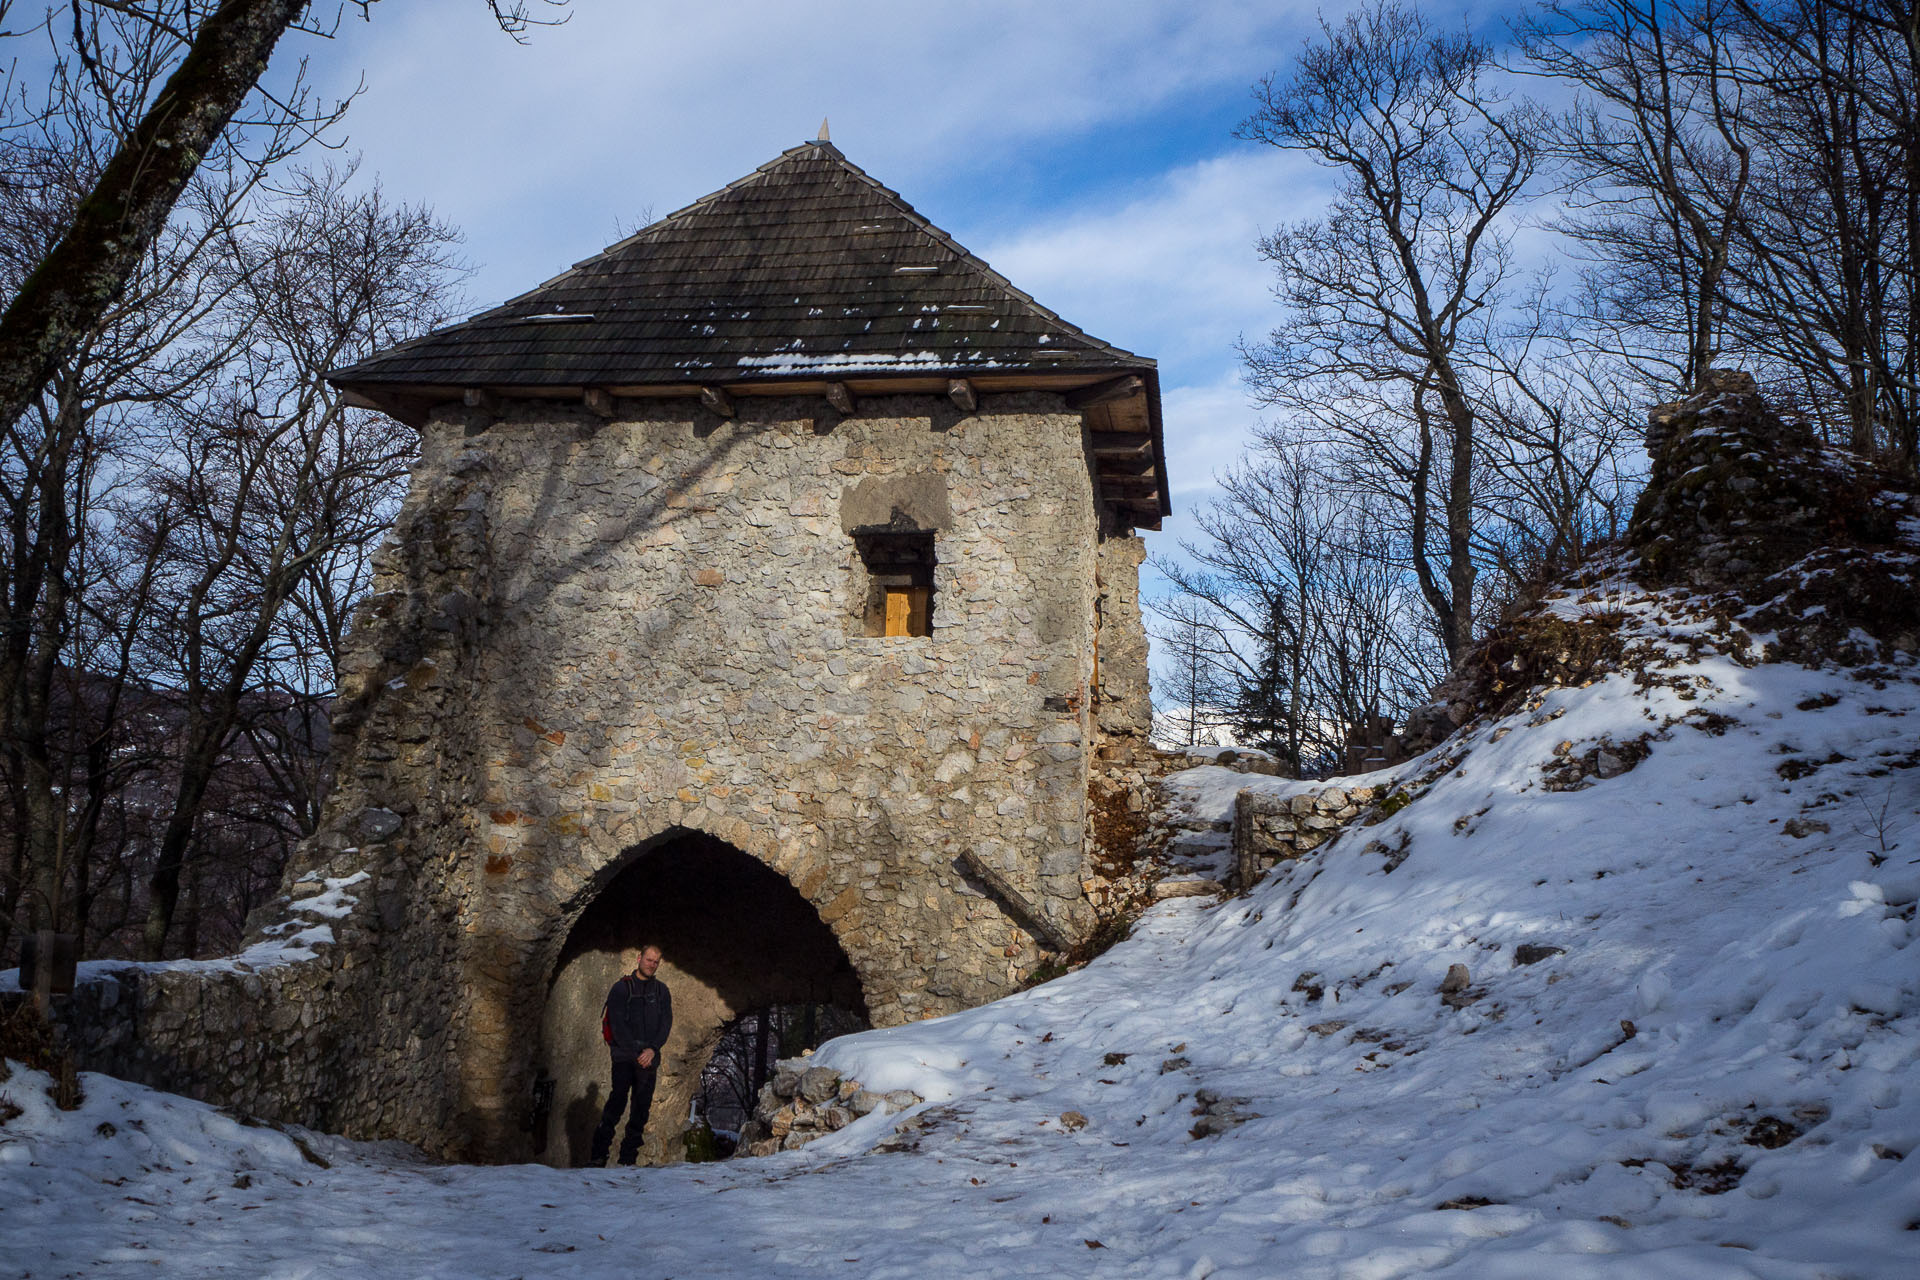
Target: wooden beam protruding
(840,398)
(599,401)
(482,399)
(960,391)
(1014,902)
(1101,392)
(717,400)
(1124,464)
(1121,444)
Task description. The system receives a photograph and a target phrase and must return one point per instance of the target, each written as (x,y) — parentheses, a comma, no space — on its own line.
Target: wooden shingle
(803,273)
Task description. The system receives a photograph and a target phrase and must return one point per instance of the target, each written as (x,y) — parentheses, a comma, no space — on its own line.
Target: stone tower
(767,588)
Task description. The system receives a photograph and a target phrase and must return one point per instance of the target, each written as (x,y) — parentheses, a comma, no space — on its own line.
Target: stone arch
(737,936)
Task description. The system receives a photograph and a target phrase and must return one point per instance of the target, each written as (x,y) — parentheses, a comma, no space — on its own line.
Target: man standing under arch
(639,1014)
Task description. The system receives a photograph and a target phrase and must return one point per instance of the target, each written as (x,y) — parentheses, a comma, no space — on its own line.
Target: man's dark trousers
(628,1077)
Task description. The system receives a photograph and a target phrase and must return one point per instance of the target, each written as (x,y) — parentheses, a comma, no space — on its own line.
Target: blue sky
(1084,148)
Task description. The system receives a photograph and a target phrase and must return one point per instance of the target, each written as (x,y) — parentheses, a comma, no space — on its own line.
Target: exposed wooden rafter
(1100,392)
(716,400)
(960,391)
(1132,464)
(1122,444)
(840,398)
(599,401)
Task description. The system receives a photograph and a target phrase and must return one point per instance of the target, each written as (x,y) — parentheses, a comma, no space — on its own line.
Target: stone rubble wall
(268,1033)
(202,1034)
(1268,829)
(1125,818)
(1123,702)
(803,1102)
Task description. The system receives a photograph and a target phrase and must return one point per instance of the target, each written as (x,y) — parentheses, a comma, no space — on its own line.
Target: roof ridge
(694,293)
(661,223)
(920,220)
(964,253)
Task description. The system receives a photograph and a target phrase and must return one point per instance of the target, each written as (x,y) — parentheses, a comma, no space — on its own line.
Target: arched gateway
(767,582)
(737,938)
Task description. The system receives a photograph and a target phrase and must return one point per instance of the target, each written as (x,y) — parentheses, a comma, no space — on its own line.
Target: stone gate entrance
(736,937)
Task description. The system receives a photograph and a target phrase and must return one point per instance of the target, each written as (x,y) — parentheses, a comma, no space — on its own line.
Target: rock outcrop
(1800,538)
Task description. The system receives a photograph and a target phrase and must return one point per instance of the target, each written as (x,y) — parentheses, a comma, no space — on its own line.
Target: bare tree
(1563,451)
(65,460)
(1744,174)
(1193,647)
(1400,281)
(274,474)
(1314,610)
(1658,160)
(1829,292)
(220,51)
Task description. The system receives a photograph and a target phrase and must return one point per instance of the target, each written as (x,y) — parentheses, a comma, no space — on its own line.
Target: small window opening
(899,564)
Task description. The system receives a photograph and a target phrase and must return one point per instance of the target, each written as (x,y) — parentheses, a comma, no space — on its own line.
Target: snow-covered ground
(1716,1074)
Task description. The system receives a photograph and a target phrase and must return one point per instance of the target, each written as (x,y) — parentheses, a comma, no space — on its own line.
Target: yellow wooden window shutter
(907,609)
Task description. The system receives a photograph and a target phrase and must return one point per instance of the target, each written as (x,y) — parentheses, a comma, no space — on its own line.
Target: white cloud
(1207,428)
(539,150)
(1172,274)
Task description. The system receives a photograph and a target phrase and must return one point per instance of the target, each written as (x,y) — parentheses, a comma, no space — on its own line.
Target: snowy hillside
(1688,1045)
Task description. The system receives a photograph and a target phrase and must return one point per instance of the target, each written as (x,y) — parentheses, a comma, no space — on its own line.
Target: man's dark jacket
(641,1013)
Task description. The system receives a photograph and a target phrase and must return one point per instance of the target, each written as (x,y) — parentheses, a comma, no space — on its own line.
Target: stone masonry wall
(590,635)
(1268,829)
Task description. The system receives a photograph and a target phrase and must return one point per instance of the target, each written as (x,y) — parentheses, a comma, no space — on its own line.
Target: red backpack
(606,1014)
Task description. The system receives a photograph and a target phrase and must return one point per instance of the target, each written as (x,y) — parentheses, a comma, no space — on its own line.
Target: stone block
(819,1084)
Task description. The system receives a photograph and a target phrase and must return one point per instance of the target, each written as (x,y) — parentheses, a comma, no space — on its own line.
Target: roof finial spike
(824,135)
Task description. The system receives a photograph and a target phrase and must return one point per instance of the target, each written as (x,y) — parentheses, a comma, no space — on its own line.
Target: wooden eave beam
(1100,392)
(412,403)
(1121,444)
(1133,464)
(875,385)
(411,410)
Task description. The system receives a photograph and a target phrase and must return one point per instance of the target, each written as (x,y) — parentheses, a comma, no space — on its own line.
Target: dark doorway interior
(737,938)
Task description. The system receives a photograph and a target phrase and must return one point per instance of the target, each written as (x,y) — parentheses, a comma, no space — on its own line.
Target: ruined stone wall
(1269,829)
(589,636)
(1124,700)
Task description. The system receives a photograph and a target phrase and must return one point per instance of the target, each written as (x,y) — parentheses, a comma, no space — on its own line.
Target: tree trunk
(74,285)
(1461,572)
(207,732)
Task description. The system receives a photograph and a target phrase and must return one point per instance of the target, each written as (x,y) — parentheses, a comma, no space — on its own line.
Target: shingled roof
(804,277)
